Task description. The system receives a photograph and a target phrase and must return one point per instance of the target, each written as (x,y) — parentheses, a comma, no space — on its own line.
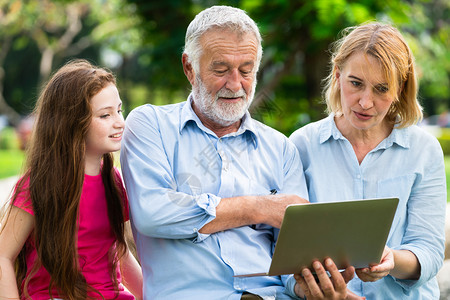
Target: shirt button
(358,176)
(195,230)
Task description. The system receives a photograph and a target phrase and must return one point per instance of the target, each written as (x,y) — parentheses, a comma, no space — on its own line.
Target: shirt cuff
(290,285)
(207,202)
(408,284)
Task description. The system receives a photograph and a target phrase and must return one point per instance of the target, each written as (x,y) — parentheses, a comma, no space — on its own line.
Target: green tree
(142,42)
(297,36)
(10,22)
(429,38)
(39,35)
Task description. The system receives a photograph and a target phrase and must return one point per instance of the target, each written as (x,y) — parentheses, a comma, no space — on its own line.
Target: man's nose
(234,81)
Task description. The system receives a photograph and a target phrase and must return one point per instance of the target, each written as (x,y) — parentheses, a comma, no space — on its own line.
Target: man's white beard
(221,112)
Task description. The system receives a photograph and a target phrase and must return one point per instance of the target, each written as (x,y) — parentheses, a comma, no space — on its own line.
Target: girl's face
(365,94)
(107,124)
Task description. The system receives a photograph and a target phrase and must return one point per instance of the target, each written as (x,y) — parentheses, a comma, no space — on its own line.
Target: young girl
(64,234)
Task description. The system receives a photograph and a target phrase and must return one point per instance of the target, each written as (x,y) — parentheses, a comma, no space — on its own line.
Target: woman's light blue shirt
(408,164)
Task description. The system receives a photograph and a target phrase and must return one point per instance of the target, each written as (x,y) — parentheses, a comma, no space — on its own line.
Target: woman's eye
(382,88)
(355,83)
(104,116)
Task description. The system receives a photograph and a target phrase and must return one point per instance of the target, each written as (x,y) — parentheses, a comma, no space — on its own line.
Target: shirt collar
(188,115)
(328,129)
(399,137)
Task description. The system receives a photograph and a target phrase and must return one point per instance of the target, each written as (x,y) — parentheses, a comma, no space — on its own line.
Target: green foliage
(139,94)
(142,42)
(45,34)
(164,24)
(297,35)
(429,38)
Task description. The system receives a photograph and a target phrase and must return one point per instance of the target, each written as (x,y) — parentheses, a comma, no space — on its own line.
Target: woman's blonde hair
(386,44)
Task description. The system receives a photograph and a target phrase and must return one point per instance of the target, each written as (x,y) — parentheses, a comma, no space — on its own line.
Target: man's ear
(188,69)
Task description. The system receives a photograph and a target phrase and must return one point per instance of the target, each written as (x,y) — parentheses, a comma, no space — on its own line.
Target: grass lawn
(10,162)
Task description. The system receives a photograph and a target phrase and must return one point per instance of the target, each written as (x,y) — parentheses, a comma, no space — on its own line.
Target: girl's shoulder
(21,195)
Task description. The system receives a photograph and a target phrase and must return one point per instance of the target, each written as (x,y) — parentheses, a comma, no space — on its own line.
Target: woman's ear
(337,72)
(188,69)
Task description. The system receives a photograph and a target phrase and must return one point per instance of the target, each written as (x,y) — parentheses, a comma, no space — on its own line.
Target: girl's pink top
(95,241)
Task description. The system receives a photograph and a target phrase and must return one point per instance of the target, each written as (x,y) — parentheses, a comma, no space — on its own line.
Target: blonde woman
(369,147)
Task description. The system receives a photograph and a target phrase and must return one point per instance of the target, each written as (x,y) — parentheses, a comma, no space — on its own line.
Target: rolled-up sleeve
(157,208)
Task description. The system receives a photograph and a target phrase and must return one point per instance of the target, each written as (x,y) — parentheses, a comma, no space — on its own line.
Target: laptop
(352,233)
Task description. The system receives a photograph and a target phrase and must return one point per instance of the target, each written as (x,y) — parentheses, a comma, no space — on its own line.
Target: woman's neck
(363,140)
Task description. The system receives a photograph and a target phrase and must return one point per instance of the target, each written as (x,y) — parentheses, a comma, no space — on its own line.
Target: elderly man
(202,175)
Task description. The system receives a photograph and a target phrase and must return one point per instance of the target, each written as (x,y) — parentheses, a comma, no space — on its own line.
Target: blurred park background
(141,41)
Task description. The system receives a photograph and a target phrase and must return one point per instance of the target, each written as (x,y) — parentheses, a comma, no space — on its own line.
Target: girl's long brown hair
(55,169)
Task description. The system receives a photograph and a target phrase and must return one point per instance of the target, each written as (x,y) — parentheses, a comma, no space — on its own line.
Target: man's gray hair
(218,17)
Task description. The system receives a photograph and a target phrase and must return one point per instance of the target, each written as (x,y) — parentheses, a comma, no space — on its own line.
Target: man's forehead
(218,44)
(227,36)
(224,31)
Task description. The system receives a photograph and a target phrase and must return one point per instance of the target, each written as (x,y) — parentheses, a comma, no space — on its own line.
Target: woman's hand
(334,287)
(376,272)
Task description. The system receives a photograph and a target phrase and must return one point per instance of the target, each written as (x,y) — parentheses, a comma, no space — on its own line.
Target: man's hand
(246,210)
(376,272)
(271,208)
(334,287)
